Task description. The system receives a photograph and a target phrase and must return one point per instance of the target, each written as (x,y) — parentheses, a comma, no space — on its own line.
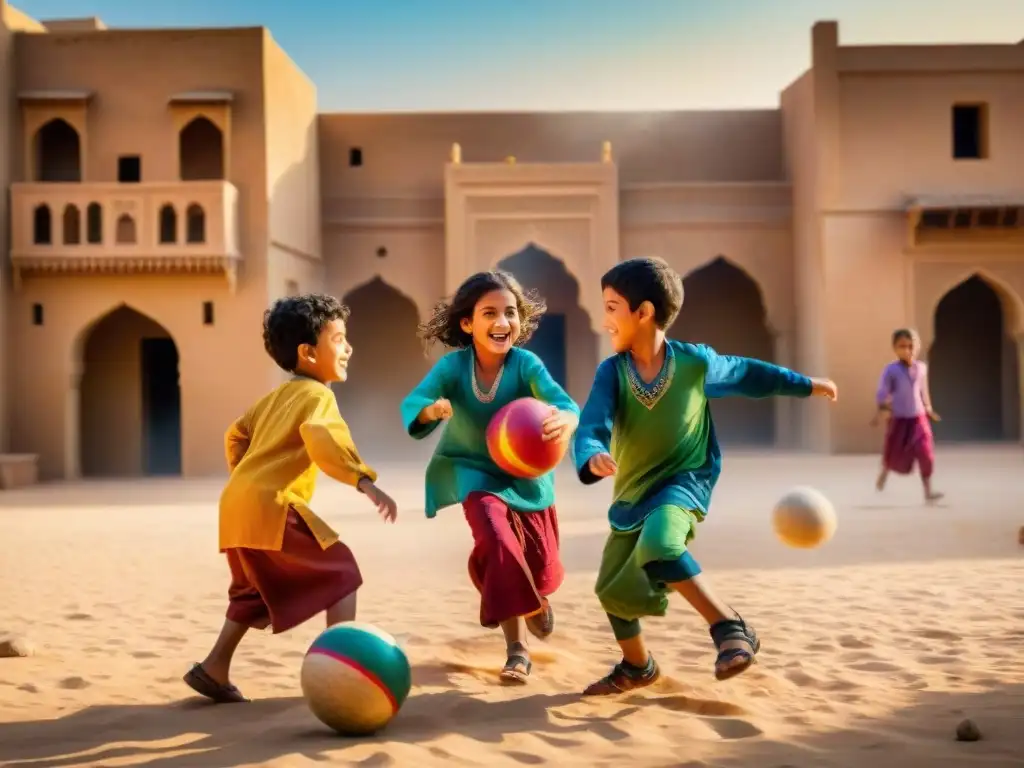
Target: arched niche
(565,339)
(973,354)
(387,362)
(723,306)
(128,409)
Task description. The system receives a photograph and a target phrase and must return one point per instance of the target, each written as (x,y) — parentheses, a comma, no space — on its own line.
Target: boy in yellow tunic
(287,565)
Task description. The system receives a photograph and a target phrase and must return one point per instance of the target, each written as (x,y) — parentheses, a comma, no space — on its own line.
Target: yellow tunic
(273,452)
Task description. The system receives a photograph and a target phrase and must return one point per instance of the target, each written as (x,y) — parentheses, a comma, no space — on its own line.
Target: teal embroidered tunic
(461,463)
(662,435)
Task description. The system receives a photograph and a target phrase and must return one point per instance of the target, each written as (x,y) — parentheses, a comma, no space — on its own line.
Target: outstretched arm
(731,375)
(437,384)
(594,434)
(329,443)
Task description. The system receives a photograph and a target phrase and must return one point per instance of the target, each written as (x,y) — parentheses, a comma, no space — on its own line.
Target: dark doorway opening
(161,407)
(973,370)
(549,344)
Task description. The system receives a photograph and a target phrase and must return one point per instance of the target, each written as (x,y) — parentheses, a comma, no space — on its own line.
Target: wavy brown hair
(445,323)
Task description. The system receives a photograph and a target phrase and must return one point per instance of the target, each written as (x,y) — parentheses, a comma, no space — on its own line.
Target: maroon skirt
(515,562)
(909,441)
(287,587)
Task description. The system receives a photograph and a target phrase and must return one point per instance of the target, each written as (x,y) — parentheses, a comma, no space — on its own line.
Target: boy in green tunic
(648,422)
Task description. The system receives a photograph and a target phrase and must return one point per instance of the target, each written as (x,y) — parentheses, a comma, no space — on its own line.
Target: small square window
(37,314)
(207,313)
(355,157)
(970,131)
(129,169)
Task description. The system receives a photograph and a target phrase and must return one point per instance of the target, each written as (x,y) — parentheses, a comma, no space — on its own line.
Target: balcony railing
(156,227)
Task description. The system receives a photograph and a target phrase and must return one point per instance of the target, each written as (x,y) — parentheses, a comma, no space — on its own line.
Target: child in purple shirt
(903,397)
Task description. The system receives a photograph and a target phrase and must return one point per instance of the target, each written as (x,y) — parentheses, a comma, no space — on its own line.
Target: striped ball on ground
(804,518)
(355,678)
(515,439)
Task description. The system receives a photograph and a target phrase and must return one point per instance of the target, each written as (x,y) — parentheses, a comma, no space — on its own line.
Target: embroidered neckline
(489,395)
(648,395)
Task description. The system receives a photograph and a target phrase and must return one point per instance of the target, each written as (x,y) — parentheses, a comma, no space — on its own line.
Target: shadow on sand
(195,734)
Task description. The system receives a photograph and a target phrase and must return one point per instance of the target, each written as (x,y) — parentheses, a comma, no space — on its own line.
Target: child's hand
(559,425)
(933,415)
(386,507)
(824,388)
(602,465)
(439,409)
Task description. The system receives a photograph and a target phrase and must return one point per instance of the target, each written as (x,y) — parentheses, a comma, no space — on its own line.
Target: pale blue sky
(367,55)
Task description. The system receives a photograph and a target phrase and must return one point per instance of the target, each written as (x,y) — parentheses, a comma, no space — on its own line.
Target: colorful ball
(355,678)
(515,439)
(804,518)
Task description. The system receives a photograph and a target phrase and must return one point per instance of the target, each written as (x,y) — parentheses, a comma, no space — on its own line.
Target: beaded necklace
(489,395)
(649,395)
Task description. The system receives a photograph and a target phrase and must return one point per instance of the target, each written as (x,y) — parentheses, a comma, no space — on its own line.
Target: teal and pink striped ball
(355,678)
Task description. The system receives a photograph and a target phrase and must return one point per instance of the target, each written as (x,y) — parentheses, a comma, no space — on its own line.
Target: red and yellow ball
(515,439)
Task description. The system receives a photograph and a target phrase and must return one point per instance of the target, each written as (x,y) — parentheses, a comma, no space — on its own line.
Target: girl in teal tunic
(648,422)
(515,561)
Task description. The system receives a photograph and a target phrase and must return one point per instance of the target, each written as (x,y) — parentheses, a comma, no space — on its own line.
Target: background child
(515,561)
(287,565)
(904,400)
(648,422)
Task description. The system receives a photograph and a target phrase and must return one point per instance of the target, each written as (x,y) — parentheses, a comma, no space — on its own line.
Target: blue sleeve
(594,434)
(436,384)
(730,375)
(543,386)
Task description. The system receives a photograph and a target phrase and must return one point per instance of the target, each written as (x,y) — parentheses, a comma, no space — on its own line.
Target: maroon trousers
(909,440)
(285,588)
(515,562)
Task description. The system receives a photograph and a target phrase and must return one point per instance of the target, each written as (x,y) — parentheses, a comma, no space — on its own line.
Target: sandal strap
(732,629)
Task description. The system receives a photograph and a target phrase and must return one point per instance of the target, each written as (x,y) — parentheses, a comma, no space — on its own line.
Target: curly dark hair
(648,279)
(445,323)
(296,320)
(905,333)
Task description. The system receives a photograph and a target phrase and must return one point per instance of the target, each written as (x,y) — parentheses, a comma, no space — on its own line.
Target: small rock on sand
(14,647)
(967,731)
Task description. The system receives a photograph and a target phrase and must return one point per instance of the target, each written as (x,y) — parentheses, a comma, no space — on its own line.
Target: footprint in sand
(525,758)
(940,634)
(874,666)
(73,683)
(732,729)
(169,639)
(801,679)
(145,655)
(79,617)
(265,663)
(852,642)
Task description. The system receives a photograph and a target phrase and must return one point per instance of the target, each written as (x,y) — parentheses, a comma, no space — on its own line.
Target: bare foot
(880,482)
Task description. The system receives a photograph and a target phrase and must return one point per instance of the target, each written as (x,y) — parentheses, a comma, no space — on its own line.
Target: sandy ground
(875,646)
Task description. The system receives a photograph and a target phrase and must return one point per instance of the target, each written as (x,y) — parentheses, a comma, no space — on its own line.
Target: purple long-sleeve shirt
(903,388)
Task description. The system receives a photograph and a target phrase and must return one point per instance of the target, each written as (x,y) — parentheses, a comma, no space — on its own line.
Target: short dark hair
(445,322)
(648,279)
(905,333)
(296,320)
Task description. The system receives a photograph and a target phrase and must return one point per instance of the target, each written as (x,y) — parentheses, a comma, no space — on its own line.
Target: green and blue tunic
(461,463)
(662,437)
